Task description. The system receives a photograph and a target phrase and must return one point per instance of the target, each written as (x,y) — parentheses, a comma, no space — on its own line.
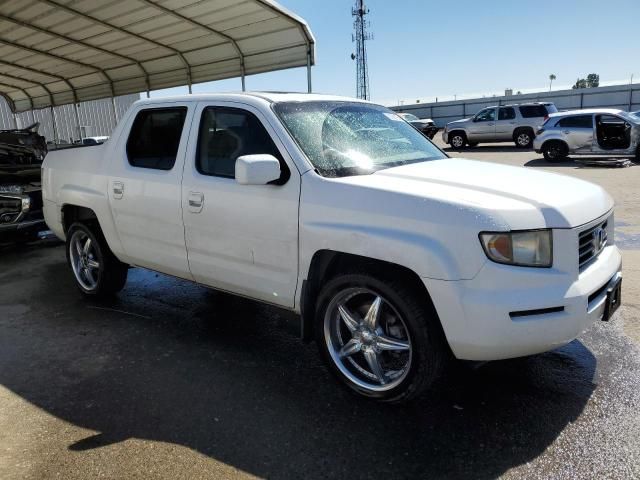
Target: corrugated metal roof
(55,52)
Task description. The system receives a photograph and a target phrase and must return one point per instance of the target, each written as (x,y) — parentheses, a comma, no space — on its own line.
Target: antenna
(360,37)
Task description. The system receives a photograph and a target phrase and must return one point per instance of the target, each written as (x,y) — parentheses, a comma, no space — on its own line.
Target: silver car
(610,132)
(505,123)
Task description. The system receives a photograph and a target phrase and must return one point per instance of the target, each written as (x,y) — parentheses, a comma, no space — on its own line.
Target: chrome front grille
(591,242)
(10,209)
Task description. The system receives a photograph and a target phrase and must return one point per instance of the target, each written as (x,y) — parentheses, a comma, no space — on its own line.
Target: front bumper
(25,219)
(445,136)
(552,307)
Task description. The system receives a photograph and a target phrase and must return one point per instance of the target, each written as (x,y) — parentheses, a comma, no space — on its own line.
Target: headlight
(531,248)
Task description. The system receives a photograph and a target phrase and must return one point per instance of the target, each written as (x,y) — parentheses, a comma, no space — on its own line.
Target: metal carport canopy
(56,52)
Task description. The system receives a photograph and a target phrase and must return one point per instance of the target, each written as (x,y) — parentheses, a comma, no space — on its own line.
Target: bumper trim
(16,227)
(539,311)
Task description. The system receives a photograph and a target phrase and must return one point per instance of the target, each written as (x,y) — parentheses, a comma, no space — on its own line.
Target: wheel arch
(552,140)
(326,264)
(71,213)
(517,130)
(76,213)
(459,131)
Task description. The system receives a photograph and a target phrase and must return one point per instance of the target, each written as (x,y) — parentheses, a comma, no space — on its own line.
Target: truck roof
(270,97)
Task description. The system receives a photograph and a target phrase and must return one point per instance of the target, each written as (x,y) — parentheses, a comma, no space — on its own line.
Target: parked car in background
(21,154)
(425,125)
(395,256)
(505,123)
(610,132)
(94,140)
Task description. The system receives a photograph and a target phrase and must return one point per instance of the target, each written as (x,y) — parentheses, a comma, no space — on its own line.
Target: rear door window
(155,137)
(579,121)
(506,113)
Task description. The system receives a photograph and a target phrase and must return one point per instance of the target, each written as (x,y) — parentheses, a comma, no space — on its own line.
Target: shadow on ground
(174,362)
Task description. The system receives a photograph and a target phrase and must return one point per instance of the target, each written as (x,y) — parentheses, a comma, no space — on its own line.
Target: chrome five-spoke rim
(367,339)
(523,139)
(84,260)
(457,141)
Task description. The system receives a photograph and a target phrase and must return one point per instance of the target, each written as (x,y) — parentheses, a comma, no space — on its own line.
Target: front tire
(457,140)
(379,336)
(98,273)
(555,151)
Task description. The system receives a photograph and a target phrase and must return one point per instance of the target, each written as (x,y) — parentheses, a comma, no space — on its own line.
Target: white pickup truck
(396,256)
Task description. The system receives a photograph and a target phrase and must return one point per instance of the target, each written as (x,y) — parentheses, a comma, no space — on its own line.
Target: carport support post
(53,125)
(15,121)
(309,71)
(115,112)
(244,88)
(75,108)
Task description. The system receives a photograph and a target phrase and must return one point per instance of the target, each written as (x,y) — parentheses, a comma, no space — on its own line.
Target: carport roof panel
(54,52)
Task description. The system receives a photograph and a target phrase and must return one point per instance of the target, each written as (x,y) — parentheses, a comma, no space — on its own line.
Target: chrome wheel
(84,260)
(523,140)
(368,340)
(457,141)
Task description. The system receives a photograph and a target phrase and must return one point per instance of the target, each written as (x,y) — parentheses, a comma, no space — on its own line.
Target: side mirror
(257,169)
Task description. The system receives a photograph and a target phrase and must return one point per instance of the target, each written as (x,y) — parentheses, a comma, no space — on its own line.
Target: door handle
(566,132)
(195,201)
(490,124)
(118,190)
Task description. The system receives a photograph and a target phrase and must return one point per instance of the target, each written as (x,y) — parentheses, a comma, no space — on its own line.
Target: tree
(580,83)
(552,77)
(592,81)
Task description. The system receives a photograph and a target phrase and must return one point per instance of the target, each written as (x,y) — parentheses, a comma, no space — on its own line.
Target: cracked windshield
(343,139)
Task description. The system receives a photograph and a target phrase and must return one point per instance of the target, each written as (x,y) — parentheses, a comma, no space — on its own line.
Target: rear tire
(523,138)
(98,273)
(394,360)
(555,151)
(457,140)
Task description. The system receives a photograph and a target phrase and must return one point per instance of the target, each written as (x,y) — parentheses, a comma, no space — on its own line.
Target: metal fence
(96,118)
(623,97)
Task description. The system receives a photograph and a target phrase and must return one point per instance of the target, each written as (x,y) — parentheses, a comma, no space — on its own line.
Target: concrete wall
(624,97)
(96,116)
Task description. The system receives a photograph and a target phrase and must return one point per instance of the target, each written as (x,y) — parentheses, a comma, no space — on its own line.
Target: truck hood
(508,197)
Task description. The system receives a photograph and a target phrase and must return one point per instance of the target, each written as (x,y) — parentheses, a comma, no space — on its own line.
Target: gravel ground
(171,380)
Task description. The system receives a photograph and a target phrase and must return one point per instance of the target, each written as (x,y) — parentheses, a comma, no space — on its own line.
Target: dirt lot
(171,380)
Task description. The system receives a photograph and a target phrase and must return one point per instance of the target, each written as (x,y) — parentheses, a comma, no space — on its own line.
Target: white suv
(506,123)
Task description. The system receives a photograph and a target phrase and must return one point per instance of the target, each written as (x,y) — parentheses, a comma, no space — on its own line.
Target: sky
(467,48)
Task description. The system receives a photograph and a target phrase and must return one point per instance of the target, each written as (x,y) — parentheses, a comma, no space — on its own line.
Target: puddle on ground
(627,240)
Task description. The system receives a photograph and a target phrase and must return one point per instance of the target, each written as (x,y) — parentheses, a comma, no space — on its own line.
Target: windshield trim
(371,171)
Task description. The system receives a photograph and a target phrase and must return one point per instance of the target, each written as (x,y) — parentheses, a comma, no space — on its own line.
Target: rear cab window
(154,138)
